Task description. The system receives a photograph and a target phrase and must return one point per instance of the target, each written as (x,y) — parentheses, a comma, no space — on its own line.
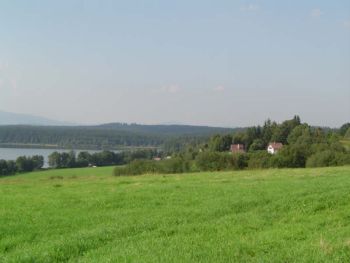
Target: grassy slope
(87,215)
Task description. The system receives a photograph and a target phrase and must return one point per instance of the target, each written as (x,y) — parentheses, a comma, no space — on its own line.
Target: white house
(274,147)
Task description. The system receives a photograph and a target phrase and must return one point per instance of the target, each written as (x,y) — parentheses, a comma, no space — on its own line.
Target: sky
(218,63)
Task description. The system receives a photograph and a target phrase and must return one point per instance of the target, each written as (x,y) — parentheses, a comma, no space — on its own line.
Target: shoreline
(79,147)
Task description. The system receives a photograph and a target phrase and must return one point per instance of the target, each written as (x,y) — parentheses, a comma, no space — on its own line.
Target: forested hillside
(174,130)
(106,136)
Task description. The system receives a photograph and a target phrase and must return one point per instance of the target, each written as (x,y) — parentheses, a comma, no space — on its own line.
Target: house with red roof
(237,148)
(274,147)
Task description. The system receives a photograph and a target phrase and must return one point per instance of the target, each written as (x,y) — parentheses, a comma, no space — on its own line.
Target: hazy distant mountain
(9,118)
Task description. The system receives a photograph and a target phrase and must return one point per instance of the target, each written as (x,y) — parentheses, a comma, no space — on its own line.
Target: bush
(38,162)
(240,161)
(214,161)
(84,159)
(292,156)
(258,144)
(138,167)
(143,154)
(328,158)
(7,167)
(174,165)
(62,160)
(22,164)
(28,164)
(258,160)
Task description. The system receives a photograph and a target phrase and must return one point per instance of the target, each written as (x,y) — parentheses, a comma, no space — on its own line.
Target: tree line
(104,158)
(304,146)
(59,160)
(21,164)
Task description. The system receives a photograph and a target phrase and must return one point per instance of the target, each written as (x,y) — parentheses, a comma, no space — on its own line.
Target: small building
(237,148)
(274,147)
(157,159)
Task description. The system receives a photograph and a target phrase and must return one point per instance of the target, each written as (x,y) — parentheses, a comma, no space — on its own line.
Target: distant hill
(9,118)
(106,136)
(172,129)
(24,130)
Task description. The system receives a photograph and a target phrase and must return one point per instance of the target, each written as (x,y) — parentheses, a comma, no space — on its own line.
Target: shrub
(214,161)
(291,156)
(137,167)
(28,164)
(328,158)
(174,165)
(259,160)
(258,144)
(240,161)
(7,167)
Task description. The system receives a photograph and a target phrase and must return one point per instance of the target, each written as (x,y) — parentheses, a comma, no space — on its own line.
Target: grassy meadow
(88,215)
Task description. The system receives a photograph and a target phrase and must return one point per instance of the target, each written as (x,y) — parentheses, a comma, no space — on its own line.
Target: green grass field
(87,215)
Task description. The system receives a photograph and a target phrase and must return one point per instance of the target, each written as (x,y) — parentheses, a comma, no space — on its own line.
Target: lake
(13,153)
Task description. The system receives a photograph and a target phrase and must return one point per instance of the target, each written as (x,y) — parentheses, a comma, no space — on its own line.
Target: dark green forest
(107,136)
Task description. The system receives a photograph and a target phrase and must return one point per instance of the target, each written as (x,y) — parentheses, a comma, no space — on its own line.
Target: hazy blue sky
(227,63)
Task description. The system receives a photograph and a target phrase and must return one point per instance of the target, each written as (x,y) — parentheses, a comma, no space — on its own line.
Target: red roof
(237,148)
(276,145)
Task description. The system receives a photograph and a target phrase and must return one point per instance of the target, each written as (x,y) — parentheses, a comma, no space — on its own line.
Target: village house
(237,148)
(274,147)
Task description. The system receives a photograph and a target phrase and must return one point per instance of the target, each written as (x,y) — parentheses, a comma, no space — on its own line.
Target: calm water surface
(13,153)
